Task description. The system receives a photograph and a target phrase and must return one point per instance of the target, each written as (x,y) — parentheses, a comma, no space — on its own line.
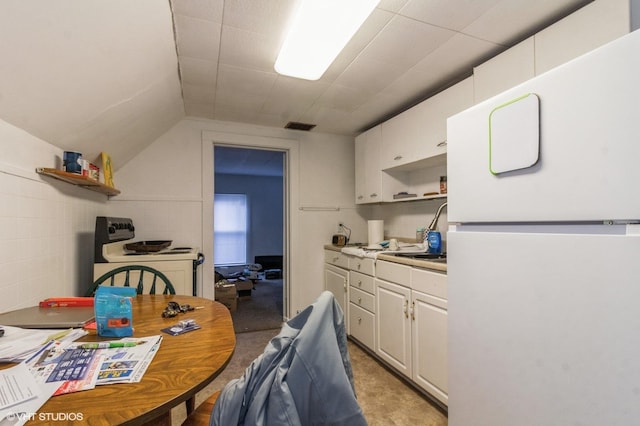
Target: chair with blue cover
(303,377)
(122,276)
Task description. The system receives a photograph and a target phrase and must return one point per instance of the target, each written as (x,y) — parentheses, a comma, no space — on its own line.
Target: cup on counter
(393,244)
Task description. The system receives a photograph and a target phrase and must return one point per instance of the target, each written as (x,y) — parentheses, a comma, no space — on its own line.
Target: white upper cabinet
(438,108)
(419,133)
(510,68)
(401,135)
(596,24)
(367,165)
(590,27)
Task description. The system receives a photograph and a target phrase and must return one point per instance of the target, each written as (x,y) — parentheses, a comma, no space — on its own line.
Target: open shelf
(78,180)
(418,198)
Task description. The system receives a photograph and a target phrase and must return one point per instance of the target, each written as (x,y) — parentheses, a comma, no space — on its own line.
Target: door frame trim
(291,199)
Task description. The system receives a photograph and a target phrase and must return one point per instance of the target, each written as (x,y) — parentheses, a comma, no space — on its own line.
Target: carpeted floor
(260,311)
(385,399)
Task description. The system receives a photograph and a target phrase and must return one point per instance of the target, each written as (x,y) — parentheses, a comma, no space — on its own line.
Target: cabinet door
(360,166)
(420,133)
(393,325)
(399,137)
(367,165)
(363,265)
(429,342)
(586,29)
(438,109)
(336,258)
(336,280)
(362,324)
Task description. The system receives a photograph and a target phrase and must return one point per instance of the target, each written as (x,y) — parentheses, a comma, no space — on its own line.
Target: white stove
(113,235)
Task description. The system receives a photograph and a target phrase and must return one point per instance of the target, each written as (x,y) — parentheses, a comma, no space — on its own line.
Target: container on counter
(443,184)
(434,242)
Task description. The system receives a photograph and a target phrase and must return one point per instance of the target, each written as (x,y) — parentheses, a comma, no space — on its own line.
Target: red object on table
(55,302)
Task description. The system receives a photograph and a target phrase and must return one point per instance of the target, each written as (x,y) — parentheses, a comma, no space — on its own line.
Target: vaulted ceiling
(113,75)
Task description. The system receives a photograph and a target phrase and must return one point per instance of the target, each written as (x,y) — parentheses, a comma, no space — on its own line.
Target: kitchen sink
(431,257)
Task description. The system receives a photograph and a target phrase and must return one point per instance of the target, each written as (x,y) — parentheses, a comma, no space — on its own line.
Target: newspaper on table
(77,368)
(128,364)
(63,366)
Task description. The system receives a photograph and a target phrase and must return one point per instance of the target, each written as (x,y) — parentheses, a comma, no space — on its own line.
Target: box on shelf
(227,295)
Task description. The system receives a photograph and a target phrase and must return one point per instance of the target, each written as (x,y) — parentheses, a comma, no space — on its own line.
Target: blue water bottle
(434,242)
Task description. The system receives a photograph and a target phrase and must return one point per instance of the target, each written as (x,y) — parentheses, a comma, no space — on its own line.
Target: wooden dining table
(183,365)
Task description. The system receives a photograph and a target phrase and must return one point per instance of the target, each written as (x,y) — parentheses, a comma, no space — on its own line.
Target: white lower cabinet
(362,309)
(393,326)
(411,325)
(362,325)
(336,279)
(429,338)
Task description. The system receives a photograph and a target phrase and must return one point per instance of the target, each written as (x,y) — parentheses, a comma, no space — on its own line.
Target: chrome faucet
(434,223)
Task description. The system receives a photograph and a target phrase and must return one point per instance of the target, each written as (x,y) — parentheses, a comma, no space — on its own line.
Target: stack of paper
(62,366)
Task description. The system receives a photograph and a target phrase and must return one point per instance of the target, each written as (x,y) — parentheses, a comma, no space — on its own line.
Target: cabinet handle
(358,266)
(359,320)
(413,310)
(360,197)
(360,283)
(335,259)
(359,300)
(405,308)
(443,143)
(397,157)
(374,195)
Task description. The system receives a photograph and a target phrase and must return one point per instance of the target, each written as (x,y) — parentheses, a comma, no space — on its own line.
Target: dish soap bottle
(433,241)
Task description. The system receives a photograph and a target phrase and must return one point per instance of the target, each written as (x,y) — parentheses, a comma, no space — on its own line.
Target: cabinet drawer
(336,258)
(361,325)
(429,282)
(364,265)
(361,281)
(362,299)
(394,272)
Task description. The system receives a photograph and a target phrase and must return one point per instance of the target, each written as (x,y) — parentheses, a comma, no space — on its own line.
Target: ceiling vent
(299,126)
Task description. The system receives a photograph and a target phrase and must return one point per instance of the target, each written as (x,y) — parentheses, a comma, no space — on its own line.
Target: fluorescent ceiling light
(319,31)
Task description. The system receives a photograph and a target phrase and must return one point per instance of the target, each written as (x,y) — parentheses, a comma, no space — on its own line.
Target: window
(230,229)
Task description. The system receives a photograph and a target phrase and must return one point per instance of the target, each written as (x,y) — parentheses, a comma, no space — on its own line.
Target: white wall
(402,219)
(46,226)
(163,191)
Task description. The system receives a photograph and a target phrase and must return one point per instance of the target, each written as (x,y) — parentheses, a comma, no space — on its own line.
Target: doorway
(291,275)
(249,232)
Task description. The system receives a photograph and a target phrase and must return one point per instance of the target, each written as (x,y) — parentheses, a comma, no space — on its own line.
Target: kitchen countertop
(387,256)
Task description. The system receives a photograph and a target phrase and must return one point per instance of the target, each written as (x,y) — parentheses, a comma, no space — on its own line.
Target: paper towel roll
(376,231)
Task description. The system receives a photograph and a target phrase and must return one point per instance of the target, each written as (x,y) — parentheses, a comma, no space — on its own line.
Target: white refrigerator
(544,248)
